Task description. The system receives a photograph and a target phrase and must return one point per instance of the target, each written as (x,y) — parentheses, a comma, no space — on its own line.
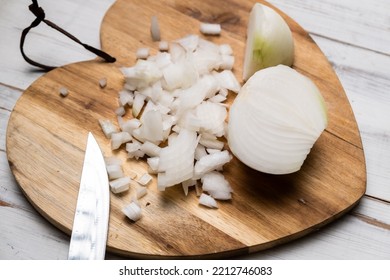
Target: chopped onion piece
(119,138)
(163,46)
(227,62)
(126,98)
(120,185)
(186,184)
(216,185)
(130,125)
(145,179)
(132,211)
(189,42)
(227,80)
(151,128)
(141,191)
(176,162)
(225,49)
(114,171)
(153,164)
(211,162)
(200,151)
(108,128)
(207,200)
(210,28)
(120,111)
(64,91)
(155,29)
(150,149)
(103,82)
(138,103)
(142,53)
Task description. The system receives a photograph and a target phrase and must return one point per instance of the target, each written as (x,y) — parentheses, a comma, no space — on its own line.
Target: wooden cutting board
(47,133)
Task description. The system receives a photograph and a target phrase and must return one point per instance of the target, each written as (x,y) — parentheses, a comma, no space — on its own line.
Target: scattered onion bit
(103,82)
(120,185)
(132,211)
(163,46)
(142,53)
(155,29)
(64,91)
(208,201)
(145,179)
(210,28)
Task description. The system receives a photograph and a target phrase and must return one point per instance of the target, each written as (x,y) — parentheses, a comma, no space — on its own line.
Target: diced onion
(178,118)
(132,211)
(145,179)
(120,185)
(208,201)
(155,29)
(108,128)
(103,82)
(142,53)
(64,91)
(114,171)
(210,28)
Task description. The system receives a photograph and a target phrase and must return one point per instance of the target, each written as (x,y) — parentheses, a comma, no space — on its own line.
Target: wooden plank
(366,82)
(357,23)
(25,235)
(348,238)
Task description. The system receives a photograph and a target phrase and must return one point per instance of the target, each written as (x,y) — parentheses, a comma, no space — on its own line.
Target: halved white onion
(275,120)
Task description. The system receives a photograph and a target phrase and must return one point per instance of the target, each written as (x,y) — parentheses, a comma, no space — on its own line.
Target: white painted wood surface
(354,35)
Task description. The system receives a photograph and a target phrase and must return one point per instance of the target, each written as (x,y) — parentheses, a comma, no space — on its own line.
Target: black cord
(40,17)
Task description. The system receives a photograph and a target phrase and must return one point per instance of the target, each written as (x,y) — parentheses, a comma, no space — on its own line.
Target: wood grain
(46,141)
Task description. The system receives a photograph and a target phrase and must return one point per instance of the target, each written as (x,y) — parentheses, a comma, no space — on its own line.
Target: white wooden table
(354,35)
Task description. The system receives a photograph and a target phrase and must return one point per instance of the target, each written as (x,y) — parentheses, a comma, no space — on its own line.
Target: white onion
(211,162)
(176,101)
(64,91)
(269,41)
(114,171)
(210,28)
(119,138)
(126,97)
(188,183)
(150,149)
(163,46)
(176,162)
(142,53)
(120,185)
(103,82)
(208,201)
(145,179)
(275,120)
(132,211)
(141,192)
(108,128)
(216,185)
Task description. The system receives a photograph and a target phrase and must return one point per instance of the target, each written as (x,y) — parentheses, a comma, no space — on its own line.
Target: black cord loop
(40,17)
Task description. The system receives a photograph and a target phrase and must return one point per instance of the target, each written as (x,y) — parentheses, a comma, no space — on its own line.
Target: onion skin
(275,120)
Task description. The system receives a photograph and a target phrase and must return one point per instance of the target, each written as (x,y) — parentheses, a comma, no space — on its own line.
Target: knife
(90,225)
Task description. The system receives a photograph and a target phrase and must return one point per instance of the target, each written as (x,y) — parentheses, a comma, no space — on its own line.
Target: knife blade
(90,225)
